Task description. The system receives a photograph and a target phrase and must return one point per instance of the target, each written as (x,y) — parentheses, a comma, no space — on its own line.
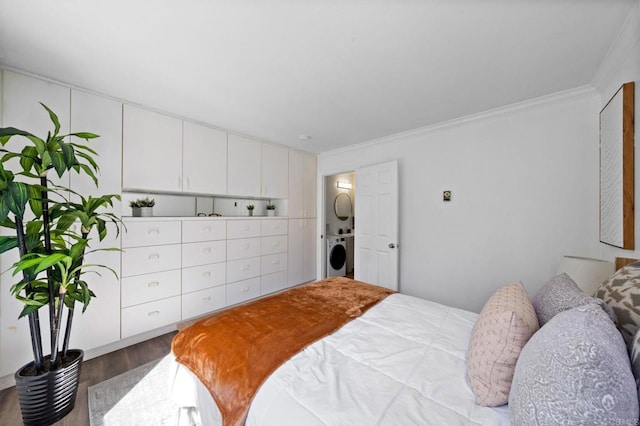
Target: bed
(404,360)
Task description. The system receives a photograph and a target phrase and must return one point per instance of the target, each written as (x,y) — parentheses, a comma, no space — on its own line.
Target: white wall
(525,192)
(622,65)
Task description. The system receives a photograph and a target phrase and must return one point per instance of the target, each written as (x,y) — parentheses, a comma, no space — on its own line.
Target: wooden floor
(94,371)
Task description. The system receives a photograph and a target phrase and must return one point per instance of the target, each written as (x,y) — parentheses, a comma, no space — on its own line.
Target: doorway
(339,206)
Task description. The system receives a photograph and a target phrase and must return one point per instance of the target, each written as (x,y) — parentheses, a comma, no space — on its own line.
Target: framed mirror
(342,206)
(617,169)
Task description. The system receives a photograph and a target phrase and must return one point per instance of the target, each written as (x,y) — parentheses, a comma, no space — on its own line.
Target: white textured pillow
(504,326)
(574,371)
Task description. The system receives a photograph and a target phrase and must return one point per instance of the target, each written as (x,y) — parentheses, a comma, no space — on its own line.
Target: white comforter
(401,363)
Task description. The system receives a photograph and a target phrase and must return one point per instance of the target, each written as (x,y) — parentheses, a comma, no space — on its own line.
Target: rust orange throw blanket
(235,351)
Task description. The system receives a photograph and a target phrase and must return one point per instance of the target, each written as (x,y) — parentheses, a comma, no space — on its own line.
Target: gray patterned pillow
(559,294)
(621,293)
(635,360)
(574,370)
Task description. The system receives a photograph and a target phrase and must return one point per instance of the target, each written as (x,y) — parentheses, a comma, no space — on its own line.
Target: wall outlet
(446,196)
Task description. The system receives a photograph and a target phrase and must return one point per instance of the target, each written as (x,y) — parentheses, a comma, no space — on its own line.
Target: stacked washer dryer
(336,256)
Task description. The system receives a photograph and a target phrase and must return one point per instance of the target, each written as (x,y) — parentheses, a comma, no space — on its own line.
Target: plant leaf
(53,117)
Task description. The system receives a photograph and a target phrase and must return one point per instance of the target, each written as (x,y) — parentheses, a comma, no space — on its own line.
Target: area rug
(137,397)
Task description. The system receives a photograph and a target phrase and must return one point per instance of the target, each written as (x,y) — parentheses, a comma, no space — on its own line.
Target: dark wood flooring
(94,371)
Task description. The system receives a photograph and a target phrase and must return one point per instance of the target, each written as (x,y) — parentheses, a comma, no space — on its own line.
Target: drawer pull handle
(153,284)
(245,228)
(246,247)
(153,231)
(206,250)
(275,262)
(206,299)
(206,274)
(153,313)
(276,244)
(206,229)
(154,256)
(245,289)
(244,267)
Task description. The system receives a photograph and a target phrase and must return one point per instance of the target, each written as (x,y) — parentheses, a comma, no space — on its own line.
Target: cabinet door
(152,151)
(309,250)
(21,109)
(243,162)
(204,160)
(302,184)
(295,255)
(275,171)
(100,324)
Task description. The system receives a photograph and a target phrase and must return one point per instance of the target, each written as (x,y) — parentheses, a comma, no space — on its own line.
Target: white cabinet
(242,291)
(275,171)
(244,166)
(151,275)
(21,109)
(302,185)
(257,169)
(302,251)
(100,323)
(204,267)
(204,160)
(152,151)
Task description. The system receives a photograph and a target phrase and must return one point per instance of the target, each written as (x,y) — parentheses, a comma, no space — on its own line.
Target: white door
(376,225)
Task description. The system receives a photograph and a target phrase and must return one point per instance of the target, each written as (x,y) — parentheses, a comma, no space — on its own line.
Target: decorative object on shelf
(587,273)
(616,169)
(250,207)
(271,209)
(51,266)
(142,207)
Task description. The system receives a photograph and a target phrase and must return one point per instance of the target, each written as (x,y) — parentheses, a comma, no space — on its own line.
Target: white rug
(136,397)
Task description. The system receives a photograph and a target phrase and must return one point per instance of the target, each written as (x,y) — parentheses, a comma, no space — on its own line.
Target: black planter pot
(47,398)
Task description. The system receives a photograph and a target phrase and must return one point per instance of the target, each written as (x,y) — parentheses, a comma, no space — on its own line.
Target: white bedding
(402,362)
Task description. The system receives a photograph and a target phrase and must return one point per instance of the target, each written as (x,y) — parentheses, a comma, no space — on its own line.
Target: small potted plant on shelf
(271,209)
(250,207)
(142,207)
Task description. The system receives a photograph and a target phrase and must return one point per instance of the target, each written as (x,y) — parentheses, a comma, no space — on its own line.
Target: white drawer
(243,248)
(273,263)
(149,316)
(272,245)
(243,290)
(243,269)
(243,228)
(203,301)
(194,254)
(150,287)
(273,282)
(202,277)
(194,231)
(273,227)
(139,234)
(144,260)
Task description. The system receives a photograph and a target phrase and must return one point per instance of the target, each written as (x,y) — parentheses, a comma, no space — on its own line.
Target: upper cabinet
(257,169)
(165,154)
(204,159)
(275,171)
(302,184)
(152,151)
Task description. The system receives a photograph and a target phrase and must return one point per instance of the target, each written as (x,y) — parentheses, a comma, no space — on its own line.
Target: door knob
(392,246)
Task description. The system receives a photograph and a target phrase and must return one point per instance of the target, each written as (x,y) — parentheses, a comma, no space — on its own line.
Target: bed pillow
(559,294)
(621,293)
(635,360)
(575,370)
(505,324)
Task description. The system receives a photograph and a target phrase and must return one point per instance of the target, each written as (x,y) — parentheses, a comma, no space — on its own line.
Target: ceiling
(341,71)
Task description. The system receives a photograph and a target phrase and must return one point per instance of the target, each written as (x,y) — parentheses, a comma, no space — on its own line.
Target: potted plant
(271,209)
(250,207)
(142,207)
(43,219)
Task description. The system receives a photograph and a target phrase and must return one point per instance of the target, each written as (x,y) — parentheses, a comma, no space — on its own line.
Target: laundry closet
(339,224)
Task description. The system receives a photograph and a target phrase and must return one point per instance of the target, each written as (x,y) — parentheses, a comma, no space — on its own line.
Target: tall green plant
(51,267)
